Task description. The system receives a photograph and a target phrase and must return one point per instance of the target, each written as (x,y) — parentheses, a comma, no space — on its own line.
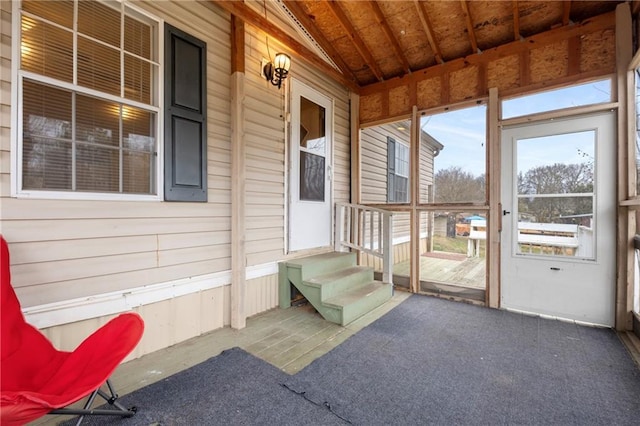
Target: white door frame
(309,223)
(565,287)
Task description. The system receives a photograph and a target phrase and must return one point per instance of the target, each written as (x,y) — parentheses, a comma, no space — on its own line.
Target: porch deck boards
(468,272)
(289,339)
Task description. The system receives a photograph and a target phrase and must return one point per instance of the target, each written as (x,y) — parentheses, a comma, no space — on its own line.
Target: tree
(556,179)
(454,185)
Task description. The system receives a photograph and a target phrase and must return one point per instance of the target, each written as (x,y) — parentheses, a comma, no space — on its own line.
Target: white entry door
(310,214)
(558,240)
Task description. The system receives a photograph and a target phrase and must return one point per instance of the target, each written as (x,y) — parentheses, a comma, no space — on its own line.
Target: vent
(301,30)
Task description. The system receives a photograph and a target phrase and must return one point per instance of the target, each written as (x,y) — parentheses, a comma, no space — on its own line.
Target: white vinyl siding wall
(66,249)
(75,250)
(5,102)
(374,170)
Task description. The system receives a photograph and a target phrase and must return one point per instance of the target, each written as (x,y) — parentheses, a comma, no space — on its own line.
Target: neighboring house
(385,176)
(146,164)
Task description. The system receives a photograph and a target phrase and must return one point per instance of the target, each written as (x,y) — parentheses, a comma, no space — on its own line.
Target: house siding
(74,250)
(374,182)
(65,249)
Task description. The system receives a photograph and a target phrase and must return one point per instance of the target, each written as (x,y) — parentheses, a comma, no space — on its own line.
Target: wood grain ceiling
(377,41)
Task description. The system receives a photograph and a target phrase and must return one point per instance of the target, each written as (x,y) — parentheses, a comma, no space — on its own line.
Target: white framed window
(397,171)
(591,93)
(402,160)
(88,118)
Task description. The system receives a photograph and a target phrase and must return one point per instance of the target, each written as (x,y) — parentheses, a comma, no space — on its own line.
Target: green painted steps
(340,290)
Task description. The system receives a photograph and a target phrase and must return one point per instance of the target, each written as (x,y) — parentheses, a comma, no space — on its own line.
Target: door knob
(504,212)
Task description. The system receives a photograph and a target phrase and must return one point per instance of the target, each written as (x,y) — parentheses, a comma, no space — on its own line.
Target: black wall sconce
(276,71)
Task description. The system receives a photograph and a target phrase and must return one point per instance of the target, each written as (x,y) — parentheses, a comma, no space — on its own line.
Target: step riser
(365,305)
(323,266)
(329,290)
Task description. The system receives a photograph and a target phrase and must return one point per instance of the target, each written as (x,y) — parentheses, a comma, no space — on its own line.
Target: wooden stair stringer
(338,289)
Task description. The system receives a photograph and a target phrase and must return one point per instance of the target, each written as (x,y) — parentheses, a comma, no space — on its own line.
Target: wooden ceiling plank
(352,33)
(566,12)
(382,21)
(516,20)
(310,25)
(428,29)
(469,22)
(242,11)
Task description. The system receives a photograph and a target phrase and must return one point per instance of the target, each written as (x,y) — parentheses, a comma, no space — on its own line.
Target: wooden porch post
(354,103)
(495,210)
(238,237)
(626,165)
(414,179)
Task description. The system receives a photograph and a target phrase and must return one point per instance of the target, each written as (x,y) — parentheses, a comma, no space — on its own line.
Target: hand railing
(368,230)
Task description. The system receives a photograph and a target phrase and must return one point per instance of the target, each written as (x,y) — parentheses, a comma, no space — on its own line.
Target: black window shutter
(391,169)
(185,117)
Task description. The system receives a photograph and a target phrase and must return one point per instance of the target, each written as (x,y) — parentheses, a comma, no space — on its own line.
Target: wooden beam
(516,20)
(469,22)
(428,29)
(495,207)
(251,17)
(356,166)
(525,68)
(237,45)
(238,178)
(358,43)
(310,25)
(414,180)
(626,148)
(566,12)
(574,55)
(382,21)
(602,22)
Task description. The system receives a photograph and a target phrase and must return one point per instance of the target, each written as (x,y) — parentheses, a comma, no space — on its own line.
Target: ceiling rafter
(590,26)
(352,33)
(428,29)
(382,21)
(361,43)
(516,21)
(470,30)
(566,12)
(310,25)
(251,17)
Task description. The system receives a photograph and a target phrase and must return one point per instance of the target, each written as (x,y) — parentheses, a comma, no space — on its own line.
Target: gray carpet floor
(432,361)
(233,388)
(428,361)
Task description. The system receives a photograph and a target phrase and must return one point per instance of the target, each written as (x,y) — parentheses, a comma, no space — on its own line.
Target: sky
(463,132)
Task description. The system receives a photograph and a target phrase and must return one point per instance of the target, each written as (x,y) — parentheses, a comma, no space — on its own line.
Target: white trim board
(83,308)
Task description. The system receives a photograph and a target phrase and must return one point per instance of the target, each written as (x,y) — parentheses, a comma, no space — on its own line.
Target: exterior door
(558,226)
(310,214)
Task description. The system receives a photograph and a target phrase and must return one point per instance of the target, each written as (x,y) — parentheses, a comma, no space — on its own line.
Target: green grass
(454,245)
(450,245)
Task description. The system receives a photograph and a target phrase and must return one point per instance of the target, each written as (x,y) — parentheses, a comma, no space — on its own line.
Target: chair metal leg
(111,399)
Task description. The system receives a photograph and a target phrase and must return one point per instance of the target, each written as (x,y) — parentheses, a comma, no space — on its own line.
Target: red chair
(37,379)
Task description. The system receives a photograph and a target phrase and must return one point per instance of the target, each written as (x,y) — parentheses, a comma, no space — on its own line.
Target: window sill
(84,196)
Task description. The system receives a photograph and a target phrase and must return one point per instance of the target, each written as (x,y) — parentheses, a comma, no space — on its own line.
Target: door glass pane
(311,177)
(312,151)
(312,127)
(555,181)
